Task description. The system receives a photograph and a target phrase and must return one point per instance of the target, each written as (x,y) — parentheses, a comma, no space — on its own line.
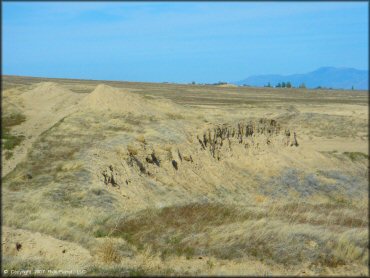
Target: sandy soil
(23,244)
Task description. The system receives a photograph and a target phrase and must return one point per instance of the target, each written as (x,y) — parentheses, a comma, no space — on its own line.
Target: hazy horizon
(181,42)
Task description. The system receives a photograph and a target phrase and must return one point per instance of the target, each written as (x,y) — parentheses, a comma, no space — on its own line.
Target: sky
(181,42)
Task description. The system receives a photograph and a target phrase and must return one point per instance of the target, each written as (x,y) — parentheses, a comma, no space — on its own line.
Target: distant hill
(329,77)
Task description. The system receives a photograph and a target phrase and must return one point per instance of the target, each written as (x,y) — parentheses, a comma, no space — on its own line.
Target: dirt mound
(47,96)
(22,245)
(106,98)
(43,106)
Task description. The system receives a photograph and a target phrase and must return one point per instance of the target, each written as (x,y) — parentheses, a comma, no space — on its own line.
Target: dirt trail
(44,105)
(47,103)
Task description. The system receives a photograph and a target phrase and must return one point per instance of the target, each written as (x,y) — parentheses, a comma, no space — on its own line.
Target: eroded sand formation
(217,142)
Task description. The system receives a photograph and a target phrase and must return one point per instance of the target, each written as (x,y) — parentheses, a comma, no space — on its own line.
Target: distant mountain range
(328,77)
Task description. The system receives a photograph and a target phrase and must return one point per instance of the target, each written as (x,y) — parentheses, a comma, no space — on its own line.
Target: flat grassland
(126,178)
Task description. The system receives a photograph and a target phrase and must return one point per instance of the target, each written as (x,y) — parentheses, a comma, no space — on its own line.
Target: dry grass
(108,252)
(16,263)
(132,150)
(199,94)
(8,121)
(10,140)
(330,126)
(326,214)
(240,229)
(141,139)
(355,156)
(173,116)
(230,233)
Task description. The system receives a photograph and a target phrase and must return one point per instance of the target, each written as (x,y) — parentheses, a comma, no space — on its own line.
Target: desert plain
(128,178)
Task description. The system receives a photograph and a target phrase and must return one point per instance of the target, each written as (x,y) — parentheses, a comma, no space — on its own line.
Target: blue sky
(181,41)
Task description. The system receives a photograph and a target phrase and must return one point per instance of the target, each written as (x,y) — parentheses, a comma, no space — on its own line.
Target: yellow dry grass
(118,176)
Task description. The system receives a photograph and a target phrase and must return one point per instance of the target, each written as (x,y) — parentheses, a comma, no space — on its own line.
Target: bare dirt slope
(143,178)
(43,249)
